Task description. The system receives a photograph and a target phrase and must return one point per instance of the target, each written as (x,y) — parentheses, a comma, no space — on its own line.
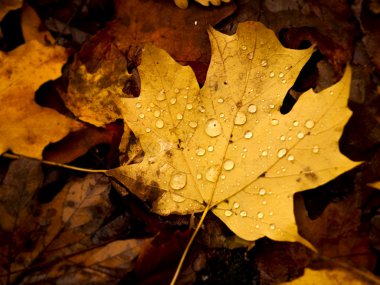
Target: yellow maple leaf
(337,276)
(26,128)
(226,146)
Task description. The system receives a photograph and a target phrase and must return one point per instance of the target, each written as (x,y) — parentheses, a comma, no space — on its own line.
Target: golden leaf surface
(26,128)
(335,276)
(227,144)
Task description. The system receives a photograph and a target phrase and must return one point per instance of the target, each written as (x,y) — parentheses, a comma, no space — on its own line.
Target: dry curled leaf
(227,145)
(27,127)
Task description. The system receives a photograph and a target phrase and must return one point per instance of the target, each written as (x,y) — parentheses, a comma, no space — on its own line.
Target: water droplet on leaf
(281,153)
(228,164)
(309,124)
(200,151)
(178,180)
(159,124)
(240,118)
(212,174)
(161,95)
(228,213)
(213,128)
(252,109)
(248,135)
(260,215)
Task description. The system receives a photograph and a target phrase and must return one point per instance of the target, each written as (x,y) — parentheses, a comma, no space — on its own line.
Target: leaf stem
(16,156)
(184,254)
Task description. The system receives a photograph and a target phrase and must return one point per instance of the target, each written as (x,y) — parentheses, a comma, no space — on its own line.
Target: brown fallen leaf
(32,26)
(61,240)
(78,143)
(338,232)
(93,94)
(227,147)
(26,128)
(182,33)
(9,5)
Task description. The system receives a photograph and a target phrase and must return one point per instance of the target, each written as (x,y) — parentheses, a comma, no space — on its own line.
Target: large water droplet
(243,213)
(260,215)
(281,152)
(228,164)
(309,124)
(159,124)
(161,95)
(236,205)
(177,198)
(213,128)
(212,174)
(262,191)
(240,118)
(193,124)
(200,151)
(252,109)
(178,180)
(228,213)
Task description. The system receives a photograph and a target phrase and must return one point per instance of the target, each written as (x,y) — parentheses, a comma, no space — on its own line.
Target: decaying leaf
(92,96)
(27,127)
(335,276)
(60,241)
(227,145)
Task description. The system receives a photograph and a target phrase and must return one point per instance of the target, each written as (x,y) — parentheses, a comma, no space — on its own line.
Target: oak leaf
(26,128)
(227,146)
